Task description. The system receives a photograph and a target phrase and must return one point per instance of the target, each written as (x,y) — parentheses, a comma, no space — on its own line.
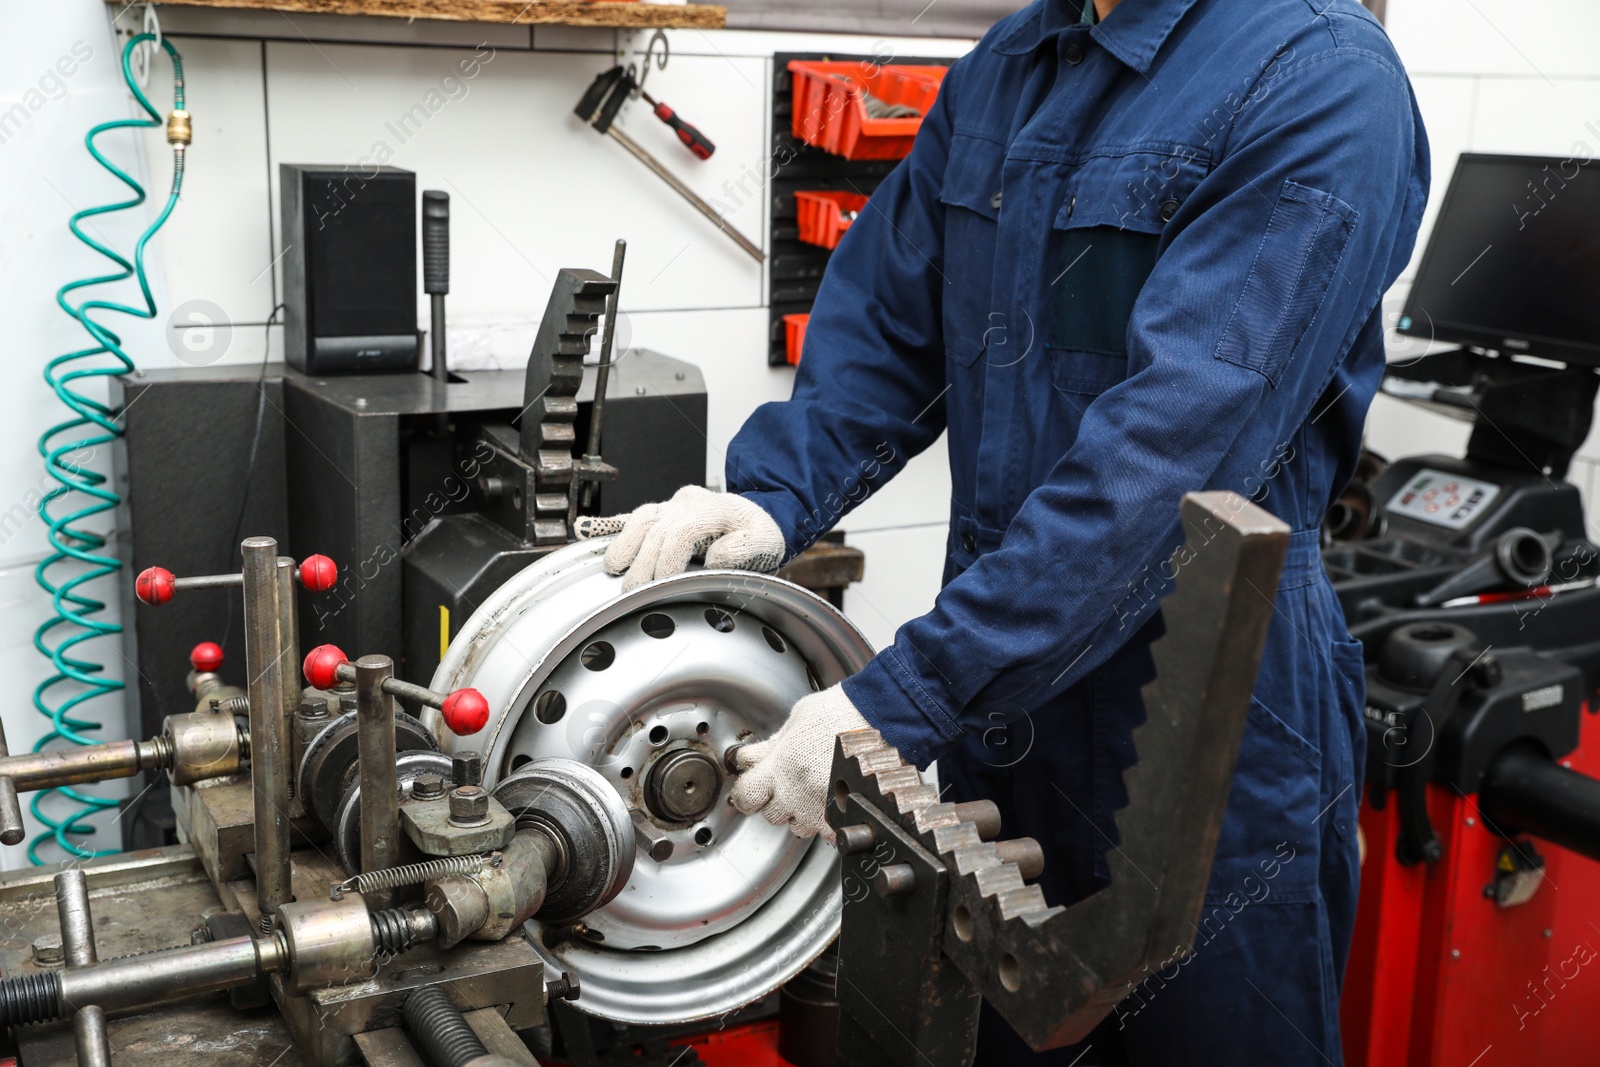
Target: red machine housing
(1440,975)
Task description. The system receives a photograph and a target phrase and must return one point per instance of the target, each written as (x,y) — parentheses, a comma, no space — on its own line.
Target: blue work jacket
(1122,262)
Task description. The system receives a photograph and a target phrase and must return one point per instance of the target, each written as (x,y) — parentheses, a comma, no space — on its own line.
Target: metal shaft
(77,926)
(269,748)
(89,1032)
(207,581)
(289,636)
(687,193)
(56,767)
(77,940)
(11,830)
(190,970)
(380,785)
(396,687)
(134,981)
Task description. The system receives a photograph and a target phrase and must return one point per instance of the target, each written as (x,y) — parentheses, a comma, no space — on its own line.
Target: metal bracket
(1053,973)
(895,901)
(550,405)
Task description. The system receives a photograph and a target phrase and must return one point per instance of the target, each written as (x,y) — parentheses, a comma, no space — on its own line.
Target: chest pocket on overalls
(971,197)
(1106,235)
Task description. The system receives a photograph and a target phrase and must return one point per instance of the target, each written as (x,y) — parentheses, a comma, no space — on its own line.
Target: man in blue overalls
(1130,256)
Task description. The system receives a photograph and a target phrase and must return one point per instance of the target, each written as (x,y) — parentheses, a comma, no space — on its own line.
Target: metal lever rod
(380,785)
(156,585)
(11,830)
(395,687)
(77,939)
(436,271)
(269,741)
(687,193)
(57,767)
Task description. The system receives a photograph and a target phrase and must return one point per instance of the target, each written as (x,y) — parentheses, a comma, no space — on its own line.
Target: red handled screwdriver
(692,139)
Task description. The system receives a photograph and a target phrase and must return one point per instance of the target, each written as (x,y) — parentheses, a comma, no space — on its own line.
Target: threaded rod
(395,930)
(441,1029)
(30,998)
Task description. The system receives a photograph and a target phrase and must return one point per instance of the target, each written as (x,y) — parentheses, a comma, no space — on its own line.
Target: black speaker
(349,268)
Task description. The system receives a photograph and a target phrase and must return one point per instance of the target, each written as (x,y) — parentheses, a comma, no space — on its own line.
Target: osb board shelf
(520,12)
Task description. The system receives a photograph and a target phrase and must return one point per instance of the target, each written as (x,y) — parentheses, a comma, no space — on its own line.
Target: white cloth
(786,777)
(658,540)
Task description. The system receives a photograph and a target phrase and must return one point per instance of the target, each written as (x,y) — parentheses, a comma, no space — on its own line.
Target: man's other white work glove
(658,540)
(785,778)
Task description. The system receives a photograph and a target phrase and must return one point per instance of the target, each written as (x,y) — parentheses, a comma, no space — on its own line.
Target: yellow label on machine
(444,630)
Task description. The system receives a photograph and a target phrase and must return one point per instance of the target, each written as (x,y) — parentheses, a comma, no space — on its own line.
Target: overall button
(994,201)
(1072,54)
(1168,209)
(969,542)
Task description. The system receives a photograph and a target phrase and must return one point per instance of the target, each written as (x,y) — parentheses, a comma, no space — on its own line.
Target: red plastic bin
(794,336)
(824,216)
(830,111)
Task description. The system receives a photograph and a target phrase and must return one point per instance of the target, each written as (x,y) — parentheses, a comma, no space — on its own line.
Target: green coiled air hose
(77,557)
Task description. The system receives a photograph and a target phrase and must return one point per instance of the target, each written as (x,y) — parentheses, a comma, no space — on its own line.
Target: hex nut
(48,951)
(469,805)
(466,768)
(428,787)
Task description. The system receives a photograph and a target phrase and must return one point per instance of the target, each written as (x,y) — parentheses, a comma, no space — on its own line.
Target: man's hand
(658,540)
(786,777)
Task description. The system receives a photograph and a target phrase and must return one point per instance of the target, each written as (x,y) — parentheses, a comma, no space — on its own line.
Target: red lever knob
(155,586)
(322,664)
(318,573)
(206,657)
(465,712)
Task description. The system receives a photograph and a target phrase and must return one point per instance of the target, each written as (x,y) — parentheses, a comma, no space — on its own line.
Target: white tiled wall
(1518,78)
(534,190)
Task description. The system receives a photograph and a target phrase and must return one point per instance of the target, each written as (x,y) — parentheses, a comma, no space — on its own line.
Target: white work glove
(658,540)
(786,777)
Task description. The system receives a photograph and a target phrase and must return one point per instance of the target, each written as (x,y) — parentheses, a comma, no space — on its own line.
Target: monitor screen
(1514,260)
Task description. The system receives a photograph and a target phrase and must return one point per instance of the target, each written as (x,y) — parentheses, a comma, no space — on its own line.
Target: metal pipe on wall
(380,784)
(269,750)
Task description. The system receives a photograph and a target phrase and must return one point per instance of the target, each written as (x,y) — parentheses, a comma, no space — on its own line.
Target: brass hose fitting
(179,129)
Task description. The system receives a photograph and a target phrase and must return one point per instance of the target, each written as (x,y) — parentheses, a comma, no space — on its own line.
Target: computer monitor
(1514,260)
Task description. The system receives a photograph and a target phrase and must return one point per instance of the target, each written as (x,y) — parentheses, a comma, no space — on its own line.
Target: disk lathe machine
(428,889)
(534,857)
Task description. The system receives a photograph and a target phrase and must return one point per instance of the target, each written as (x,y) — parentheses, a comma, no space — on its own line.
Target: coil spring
(411,874)
(77,556)
(230,705)
(441,1028)
(394,930)
(30,998)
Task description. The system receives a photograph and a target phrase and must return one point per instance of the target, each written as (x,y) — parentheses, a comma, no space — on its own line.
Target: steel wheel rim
(536,626)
